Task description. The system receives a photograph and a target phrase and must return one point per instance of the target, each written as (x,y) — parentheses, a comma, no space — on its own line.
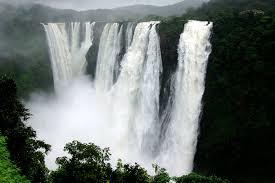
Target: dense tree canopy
(88,163)
(129,173)
(25,150)
(194,178)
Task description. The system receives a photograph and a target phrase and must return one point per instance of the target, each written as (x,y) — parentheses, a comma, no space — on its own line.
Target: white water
(147,118)
(134,116)
(124,115)
(193,50)
(68,54)
(107,62)
(129,34)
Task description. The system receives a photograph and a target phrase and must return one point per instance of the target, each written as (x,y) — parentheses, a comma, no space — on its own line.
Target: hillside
(170,10)
(47,14)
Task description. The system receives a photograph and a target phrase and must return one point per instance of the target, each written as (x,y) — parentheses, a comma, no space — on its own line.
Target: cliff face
(169,33)
(237,123)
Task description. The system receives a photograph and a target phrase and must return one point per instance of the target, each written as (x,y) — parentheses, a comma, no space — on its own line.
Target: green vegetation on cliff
(24,51)
(237,122)
(25,150)
(9,173)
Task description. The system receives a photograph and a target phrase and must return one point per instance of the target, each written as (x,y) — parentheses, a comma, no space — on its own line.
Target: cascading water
(107,62)
(147,119)
(74,36)
(59,51)
(137,93)
(67,52)
(129,34)
(123,101)
(181,138)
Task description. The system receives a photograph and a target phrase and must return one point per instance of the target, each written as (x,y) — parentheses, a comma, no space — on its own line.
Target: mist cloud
(77,112)
(90,4)
(73,113)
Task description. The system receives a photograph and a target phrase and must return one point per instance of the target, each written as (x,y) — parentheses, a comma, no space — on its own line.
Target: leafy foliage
(9,173)
(194,178)
(161,176)
(129,173)
(88,163)
(25,150)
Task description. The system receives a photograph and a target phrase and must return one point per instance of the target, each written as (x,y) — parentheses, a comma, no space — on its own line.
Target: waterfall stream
(68,53)
(107,61)
(181,139)
(120,109)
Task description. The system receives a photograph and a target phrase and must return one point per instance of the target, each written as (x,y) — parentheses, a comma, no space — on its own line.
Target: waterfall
(75,36)
(108,54)
(148,115)
(123,100)
(68,53)
(137,92)
(181,138)
(129,34)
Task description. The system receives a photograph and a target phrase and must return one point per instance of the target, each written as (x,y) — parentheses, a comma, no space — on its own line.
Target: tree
(25,150)
(135,174)
(194,178)
(88,163)
(161,176)
(9,173)
(129,173)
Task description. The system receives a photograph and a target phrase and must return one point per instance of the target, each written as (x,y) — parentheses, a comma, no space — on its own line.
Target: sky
(92,4)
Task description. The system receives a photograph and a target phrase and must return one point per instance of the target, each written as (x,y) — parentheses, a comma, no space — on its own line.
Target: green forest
(235,143)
